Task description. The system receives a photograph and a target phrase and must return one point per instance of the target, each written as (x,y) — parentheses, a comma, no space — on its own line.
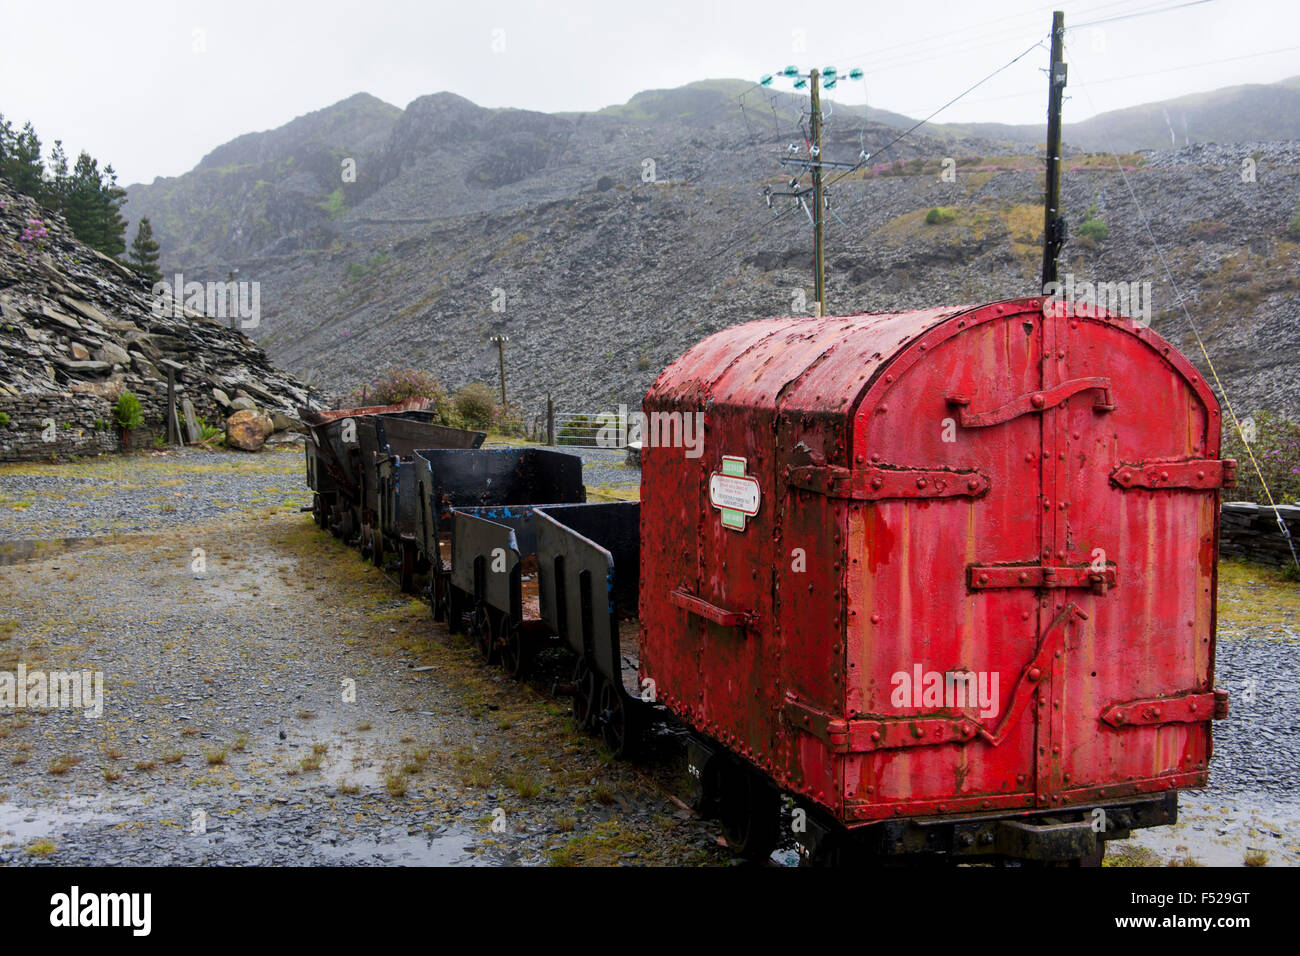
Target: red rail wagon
(946,576)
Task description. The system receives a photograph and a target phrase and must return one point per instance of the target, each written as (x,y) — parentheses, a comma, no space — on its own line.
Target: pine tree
(144,251)
(82,206)
(57,186)
(20,158)
(112,224)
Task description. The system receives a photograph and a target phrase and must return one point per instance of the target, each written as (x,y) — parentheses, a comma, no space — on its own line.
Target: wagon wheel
(440,596)
(318,514)
(335,521)
(455,607)
(377,547)
(482,625)
(513,644)
(750,811)
(586,689)
(617,718)
(406,576)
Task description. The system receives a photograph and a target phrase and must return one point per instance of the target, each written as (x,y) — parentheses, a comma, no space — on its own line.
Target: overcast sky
(152,87)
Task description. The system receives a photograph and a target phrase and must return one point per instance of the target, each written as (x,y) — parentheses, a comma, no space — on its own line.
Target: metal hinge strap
(863,736)
(1199,473)
(1186,708)
(877,482)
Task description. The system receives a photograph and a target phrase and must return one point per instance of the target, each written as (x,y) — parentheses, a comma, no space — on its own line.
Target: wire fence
(590,429)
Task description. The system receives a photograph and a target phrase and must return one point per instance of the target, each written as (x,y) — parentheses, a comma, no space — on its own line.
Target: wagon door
(946,635)
(1131,479)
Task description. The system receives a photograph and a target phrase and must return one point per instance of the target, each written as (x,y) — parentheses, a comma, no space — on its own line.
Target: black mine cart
(396,524)
(447,479)
(494,582)
(588,568)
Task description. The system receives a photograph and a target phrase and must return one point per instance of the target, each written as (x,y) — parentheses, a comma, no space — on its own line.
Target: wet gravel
(147,492)
(283,704)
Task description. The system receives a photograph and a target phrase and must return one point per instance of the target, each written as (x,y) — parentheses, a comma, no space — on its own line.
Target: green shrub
(397,385)
(476,404)
(940,215)
(4,419)
(127,411)
(1094,229)
(1275,443)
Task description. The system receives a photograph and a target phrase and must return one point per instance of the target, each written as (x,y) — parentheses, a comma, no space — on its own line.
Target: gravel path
(230,732)
(148,492)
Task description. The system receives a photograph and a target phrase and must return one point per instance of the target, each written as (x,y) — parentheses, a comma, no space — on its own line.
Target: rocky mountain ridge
(603,245)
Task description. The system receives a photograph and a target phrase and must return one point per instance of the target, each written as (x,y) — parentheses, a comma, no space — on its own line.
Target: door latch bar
(1039,401)
(988,577)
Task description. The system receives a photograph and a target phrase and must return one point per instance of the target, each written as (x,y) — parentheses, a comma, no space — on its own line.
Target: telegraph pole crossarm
(814,80)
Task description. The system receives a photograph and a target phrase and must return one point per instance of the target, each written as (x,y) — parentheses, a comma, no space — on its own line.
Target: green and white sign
(734,493)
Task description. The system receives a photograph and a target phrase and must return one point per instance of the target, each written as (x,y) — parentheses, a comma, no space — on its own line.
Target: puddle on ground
(442,847)
(21,825)
(27,550)
(1217,831)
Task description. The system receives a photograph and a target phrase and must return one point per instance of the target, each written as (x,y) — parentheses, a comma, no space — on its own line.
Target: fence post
(550,420)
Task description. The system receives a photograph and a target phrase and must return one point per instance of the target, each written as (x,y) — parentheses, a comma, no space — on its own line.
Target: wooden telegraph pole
(501,341)
(818,210)
(1053,222)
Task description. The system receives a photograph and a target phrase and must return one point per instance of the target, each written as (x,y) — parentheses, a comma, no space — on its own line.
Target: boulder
(221,398)
(88,368)
(284,423)
(146,368)
(247,429)
(79,351)
(112,353)
(243,404)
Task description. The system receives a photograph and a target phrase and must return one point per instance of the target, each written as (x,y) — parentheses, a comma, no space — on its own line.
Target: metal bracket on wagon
(693,604)
(1039,401)
(1204,473)
(875,483)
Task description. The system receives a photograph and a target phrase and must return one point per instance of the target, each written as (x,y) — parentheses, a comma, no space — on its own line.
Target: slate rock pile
(77,329)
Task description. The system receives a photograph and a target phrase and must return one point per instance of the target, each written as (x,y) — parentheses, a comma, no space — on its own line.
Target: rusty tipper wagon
(946,576)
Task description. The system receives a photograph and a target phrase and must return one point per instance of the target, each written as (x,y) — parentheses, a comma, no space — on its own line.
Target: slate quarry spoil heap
(78,328)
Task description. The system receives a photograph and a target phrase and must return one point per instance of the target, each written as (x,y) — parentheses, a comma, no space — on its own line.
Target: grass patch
(63,764)
(1130,854)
